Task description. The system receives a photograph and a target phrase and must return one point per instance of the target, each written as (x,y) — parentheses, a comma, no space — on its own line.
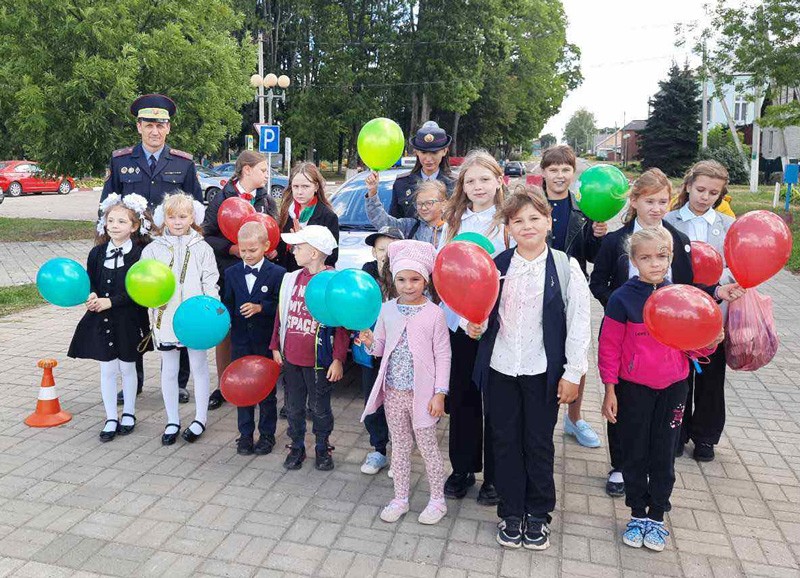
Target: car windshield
(348,202)
(204,172)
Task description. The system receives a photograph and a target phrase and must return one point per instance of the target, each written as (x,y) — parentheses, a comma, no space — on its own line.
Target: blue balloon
(63,282)
(201,322)
(315,298)
(355,298)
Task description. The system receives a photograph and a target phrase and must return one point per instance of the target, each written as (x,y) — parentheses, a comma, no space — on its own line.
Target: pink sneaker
(394,511)
(432,513)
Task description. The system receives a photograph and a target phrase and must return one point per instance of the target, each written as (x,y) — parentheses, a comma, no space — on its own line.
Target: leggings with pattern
(399,409)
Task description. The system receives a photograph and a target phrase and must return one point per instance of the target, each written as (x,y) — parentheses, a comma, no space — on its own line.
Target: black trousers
(376,422)
(614,443)
(267,408)
(308,385)
(468,452)
(183,370)
(649,422)
(523,418)
(704,418)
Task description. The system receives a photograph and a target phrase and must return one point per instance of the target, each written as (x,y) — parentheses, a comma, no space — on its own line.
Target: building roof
(635,125)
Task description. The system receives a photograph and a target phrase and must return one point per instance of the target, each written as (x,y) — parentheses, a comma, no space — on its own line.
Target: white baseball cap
(317,236)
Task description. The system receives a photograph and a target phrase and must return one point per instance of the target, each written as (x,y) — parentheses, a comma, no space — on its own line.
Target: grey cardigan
(416,229)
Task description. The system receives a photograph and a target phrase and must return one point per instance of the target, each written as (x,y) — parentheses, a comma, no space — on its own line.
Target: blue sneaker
(374,463)
(582,431)
(655,536)
(634,535)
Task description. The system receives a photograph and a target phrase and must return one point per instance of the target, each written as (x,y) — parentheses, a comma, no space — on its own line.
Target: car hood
(353,250)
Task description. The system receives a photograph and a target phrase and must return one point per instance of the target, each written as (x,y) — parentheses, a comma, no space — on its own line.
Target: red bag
(751,340)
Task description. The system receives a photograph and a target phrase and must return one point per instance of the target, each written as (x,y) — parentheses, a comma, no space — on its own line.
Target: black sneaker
(615,489)
(244,446)
(264,445)
(324,461)
(295,459)
(509,532)
(703,452)
(536,535)
(183,395)
(457,484)
(487,496)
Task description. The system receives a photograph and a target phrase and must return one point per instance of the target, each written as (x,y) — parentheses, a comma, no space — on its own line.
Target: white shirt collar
(638,227)
(257,265)
(126,248)
(687,215)
(485,215)
(432,177)
(240,189)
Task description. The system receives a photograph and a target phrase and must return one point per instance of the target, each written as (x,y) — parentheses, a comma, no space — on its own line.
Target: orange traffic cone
(48,409)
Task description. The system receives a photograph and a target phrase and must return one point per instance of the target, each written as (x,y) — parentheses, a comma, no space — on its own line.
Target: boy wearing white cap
(312,354)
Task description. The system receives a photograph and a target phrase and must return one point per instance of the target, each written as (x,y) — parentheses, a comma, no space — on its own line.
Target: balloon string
(697,366)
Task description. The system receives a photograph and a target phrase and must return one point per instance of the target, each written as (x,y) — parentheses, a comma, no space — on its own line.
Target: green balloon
(150,283)
(478,239)
(601,192)
(380,143)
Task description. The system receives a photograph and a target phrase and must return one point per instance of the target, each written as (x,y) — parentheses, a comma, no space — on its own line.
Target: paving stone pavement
(19,262)
(70,505)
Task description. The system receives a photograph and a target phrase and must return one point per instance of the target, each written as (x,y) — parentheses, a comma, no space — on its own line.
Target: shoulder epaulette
(120,152)
(183,155)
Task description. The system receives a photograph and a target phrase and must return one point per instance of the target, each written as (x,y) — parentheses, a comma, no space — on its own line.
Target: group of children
(501,382)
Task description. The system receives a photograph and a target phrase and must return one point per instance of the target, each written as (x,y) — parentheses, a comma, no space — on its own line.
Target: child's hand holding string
(367,338)
(372,184)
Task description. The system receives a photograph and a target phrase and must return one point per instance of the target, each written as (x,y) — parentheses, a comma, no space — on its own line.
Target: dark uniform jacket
(580,242)
(403,190)
(324,216)
(130,173)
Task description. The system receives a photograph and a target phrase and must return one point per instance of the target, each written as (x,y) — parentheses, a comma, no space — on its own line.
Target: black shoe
(536,534)
(244,446)
(295,459)
(183,395)
(680,449)
(121,396)
(487,496)
(324,461)
(703,452)
(615,489)
(216,400)
(457,484)
(169,439)
(107,436)
(264,445)
(124,430)
(509,532)
(282,413)
(190,436)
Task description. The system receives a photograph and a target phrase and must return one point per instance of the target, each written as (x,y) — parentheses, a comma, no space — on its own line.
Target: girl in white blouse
(531,357)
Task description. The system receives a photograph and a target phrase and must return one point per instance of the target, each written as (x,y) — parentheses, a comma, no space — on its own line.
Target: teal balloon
(201,322)
(355,299)
(601,192)
(476,238)
(315,298)
(150,283)
(380,143)
(63,282)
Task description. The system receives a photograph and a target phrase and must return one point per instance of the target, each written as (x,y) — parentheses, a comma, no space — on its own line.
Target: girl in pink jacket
(411,336)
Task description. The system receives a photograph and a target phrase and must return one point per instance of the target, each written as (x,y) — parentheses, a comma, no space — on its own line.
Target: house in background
(780,143)
(738,96)
(621,145)
(608,146)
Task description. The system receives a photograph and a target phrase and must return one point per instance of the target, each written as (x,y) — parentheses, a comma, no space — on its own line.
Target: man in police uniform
(152,168)
(430,144)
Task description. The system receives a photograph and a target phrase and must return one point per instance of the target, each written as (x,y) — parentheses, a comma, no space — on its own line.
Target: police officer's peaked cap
(430,137)
(153,108)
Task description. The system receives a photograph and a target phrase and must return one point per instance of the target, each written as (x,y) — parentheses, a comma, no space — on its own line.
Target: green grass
(23,230)
(19,298)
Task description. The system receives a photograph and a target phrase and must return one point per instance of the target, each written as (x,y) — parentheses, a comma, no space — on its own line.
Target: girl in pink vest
(411,337)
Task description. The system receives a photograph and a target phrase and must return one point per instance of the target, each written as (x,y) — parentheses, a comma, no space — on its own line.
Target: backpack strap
(563,271)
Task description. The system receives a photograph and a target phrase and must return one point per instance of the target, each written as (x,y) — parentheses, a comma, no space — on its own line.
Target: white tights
(198,363)
(108,388)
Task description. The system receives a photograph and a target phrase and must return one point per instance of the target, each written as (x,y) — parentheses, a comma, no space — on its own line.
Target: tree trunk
(414,112)
(340,154)
(454,146)
(425,113)
(352,156)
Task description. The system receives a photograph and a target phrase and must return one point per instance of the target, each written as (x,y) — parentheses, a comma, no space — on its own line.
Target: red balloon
(683,317)
(757,246)
(706,263)
(231,213)
(467,280)
(249,380)
(271,225)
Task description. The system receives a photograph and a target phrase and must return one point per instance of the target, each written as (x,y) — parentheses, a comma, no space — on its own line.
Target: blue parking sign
(269,138)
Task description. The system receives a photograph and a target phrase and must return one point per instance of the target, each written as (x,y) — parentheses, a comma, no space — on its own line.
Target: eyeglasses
(426,204)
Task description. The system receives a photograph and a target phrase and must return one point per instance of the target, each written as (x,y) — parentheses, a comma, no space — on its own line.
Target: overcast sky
(627,46)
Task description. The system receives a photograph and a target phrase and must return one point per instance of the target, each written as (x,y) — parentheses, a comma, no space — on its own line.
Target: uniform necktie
(251,271)
(152,164)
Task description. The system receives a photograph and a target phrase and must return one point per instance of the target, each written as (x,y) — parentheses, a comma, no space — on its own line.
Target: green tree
(69,71)
(547,140)
(669,141)
(580,130)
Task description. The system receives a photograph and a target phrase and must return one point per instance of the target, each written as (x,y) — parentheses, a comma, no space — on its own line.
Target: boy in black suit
(251,296)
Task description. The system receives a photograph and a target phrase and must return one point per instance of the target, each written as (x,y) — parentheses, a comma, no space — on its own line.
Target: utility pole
(261,74)
(754,157)
(704,119)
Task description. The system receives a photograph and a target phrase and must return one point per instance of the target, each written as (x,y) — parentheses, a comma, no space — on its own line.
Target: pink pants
(398,406)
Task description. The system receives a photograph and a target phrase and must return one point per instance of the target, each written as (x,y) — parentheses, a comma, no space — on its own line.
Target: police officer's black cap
(153,108)
(391,232)
(430,137)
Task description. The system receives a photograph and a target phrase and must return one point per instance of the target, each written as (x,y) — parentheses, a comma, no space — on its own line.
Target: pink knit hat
(410,255)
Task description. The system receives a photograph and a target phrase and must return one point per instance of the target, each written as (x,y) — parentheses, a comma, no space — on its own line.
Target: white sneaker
(432,513)
(374,463)
(395,510)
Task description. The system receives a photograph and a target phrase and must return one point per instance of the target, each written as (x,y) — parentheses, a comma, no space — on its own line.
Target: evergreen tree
(669,141)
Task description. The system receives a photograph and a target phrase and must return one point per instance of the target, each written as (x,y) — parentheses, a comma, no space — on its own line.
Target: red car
(18,177)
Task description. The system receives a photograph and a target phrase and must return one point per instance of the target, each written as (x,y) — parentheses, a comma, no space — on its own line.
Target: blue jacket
(253,333)
(554,323)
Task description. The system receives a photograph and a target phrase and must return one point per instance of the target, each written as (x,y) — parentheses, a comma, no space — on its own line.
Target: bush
(729,158)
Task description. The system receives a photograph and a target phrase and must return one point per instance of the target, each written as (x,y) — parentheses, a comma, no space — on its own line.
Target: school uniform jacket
(403,190)
(716,235)
(581,244)
(323,215)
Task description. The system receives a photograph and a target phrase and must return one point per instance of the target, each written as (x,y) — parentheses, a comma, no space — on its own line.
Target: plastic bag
(751,340)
